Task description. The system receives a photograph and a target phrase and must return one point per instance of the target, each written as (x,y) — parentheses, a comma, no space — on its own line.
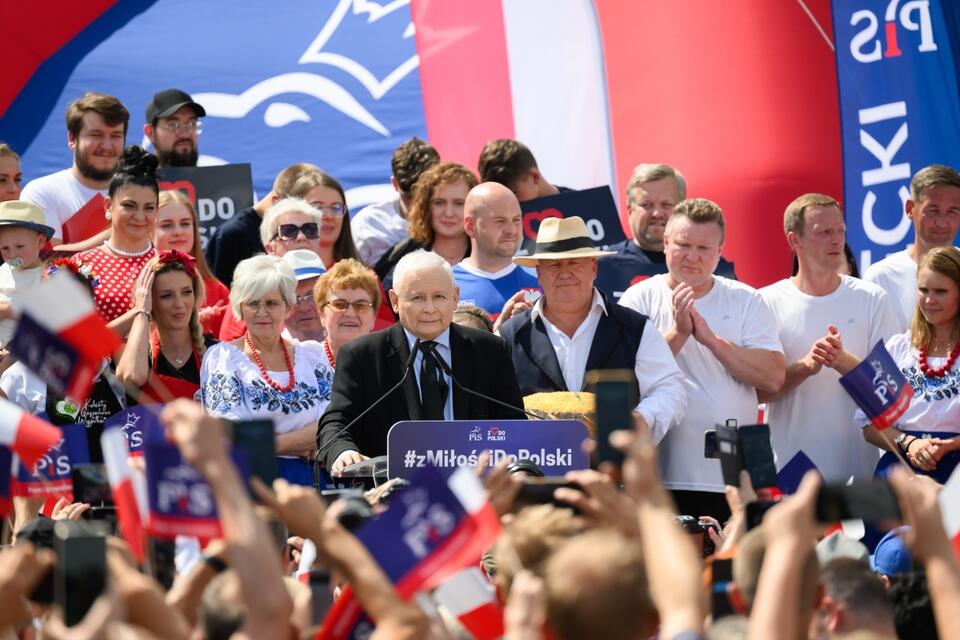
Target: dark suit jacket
(369,366)
(614,346)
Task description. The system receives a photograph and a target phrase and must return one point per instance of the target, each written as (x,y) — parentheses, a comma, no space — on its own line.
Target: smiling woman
(131,207)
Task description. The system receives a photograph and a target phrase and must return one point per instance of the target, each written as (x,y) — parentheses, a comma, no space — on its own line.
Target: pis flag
(180,500)
(879,388)
(471,598)
(138,424)
(434,528)
(52,475)
(28,436)
(899,111)
(61,337)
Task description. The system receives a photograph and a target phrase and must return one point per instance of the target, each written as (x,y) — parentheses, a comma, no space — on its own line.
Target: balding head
(492,219)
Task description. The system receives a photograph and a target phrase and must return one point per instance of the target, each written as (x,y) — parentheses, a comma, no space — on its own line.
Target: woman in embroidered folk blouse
(263,376)
(928,434)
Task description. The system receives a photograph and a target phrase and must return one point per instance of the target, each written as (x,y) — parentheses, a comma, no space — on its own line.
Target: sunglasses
(310,231)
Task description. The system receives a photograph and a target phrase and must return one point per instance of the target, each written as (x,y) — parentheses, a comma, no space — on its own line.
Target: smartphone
(757,454)
(255,440)
(321,595)
(728,450)
(80,574)
(91,485)
(710,445)
(616,396)
(872,501)
(540,491)
(756,511)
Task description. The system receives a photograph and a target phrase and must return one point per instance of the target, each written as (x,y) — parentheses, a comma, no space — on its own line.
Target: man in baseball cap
(305,324)
(173,127)
(574,328)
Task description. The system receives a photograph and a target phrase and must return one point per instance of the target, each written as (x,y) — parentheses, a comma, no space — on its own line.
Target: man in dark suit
(424,296)
(573,328)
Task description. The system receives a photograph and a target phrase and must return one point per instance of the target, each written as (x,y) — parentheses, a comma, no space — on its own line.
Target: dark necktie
(433,387)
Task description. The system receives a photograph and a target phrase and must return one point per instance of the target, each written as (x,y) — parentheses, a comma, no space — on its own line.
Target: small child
(23,236)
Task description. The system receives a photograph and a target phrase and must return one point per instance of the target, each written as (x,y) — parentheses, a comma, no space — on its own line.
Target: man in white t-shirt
(934,207)
(96,131)
(828,322)
(378,227)
(724,338)
(488,277)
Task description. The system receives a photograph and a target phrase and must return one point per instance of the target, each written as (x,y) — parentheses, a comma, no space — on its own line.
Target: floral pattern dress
(231,387)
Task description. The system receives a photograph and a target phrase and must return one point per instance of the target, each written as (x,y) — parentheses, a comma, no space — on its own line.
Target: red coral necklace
(326,347)
(263,370)
(938,372)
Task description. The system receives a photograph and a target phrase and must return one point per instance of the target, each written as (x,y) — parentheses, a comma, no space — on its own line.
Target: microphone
(407,368)
(448,371)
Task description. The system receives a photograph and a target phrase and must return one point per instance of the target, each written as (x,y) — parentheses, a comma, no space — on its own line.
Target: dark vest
(614,346)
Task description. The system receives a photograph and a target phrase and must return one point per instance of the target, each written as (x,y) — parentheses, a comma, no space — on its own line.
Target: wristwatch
(900,439)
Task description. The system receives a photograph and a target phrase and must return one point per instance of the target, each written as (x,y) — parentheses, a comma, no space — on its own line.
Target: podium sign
(553,445)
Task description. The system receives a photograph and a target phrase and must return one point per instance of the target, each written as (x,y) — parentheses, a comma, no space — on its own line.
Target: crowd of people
(333,325)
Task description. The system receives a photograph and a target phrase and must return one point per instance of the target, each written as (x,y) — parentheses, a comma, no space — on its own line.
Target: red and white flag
(950,509)
(123,485)
(61,337)
(470,597)
(28,436)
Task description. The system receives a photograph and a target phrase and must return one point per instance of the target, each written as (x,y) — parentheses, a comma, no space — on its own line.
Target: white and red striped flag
(470,597)
(28,436)
(123,485)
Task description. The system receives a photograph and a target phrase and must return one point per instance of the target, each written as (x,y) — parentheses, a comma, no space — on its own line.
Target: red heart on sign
(537,216)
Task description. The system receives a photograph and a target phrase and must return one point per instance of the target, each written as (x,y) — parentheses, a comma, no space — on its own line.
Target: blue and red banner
(879,388)
(180,500)
(52,476)
(900,111)
(139,424)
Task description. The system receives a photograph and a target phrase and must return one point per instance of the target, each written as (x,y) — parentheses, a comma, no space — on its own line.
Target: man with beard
(173,127)
(96,131)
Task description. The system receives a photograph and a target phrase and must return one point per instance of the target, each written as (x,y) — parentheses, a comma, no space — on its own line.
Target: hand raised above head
(200,437)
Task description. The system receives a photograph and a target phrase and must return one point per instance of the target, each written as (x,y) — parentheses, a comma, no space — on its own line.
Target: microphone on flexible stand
(447,371)
(407,368)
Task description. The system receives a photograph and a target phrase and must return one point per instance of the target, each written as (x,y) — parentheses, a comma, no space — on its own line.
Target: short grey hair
(420,260)
(650,172)
(257,276)
(268,227)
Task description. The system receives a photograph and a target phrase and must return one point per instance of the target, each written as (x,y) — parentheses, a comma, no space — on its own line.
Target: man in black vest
(573,328)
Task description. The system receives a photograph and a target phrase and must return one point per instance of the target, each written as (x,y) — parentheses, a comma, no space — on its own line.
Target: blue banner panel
(899,112)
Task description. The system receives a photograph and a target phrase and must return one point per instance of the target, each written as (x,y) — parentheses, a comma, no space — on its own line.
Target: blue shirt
(490,291)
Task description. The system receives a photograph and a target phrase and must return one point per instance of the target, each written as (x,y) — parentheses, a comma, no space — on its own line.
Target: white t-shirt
(736,312)
(60,195)
(897,275)
(376,228)
(815,416)
(15,286)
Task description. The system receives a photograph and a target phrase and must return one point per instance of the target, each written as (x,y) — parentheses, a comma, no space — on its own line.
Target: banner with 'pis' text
(900,111)
(552,445)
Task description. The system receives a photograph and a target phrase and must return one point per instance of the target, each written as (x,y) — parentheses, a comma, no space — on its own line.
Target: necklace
(326,347)
(128,254)
(179,362)
(937,372)
(263,370)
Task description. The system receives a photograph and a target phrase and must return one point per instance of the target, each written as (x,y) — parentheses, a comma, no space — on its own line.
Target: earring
(107,215)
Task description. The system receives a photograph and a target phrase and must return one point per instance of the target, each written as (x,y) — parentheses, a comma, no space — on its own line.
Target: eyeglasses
(272,306)
(307,297)
(336,209)
(172,126)
(310,231)
(360,307)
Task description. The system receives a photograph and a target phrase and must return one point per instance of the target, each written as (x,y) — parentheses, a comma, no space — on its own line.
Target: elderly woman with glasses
(264,376)
(346,297)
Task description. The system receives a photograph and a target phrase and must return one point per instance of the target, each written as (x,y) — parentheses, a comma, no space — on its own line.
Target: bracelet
(146,313)
(906,449)
(215,563)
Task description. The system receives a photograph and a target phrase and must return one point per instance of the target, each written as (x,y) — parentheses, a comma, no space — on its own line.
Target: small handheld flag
(28,436)
(879,388)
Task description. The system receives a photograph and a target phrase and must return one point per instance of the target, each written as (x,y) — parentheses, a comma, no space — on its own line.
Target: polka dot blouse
(114,295)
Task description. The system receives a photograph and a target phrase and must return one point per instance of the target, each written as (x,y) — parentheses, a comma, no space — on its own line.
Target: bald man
(488,277)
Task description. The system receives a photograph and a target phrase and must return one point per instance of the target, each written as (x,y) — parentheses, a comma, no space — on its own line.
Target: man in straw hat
(573,328)
(725,340)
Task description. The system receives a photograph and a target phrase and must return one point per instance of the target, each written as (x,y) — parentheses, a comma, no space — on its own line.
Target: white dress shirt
(442,350)
(662,396)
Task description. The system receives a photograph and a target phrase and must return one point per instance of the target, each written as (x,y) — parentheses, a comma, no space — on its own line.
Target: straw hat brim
(532,260)
(33,226)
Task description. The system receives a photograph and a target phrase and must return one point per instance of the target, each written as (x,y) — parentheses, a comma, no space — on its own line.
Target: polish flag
(470,597)
(28,436)
(62,338)
(123,485)
(950,509)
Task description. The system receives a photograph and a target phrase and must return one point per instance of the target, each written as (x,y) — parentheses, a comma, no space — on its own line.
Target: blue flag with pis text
(879,388)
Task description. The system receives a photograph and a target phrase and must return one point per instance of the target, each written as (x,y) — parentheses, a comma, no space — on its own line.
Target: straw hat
(562,239)
(20,213)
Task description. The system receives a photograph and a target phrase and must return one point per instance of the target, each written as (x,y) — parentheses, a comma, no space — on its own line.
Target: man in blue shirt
(488,277)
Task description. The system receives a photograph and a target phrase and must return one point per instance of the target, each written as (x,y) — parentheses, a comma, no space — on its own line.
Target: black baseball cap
(167,102)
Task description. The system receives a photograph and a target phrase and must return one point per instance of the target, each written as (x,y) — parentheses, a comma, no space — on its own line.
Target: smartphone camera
(698,529)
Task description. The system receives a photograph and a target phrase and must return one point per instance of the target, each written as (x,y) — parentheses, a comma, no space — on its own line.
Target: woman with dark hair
(928,434)
(177,229)
(435,218)
(324,193)
(131,207)
(166,343)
